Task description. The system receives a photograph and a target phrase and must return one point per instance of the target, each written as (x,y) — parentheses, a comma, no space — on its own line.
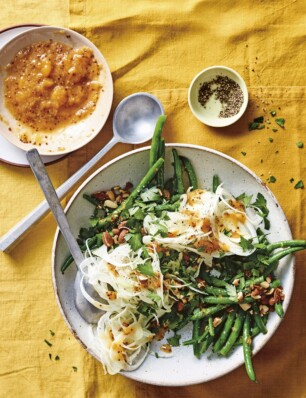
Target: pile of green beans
(220,321)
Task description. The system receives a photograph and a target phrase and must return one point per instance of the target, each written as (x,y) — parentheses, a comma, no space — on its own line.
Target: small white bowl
(209,114)
(71,136)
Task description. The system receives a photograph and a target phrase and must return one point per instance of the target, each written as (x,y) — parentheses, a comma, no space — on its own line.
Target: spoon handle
(45,183)
(15,235)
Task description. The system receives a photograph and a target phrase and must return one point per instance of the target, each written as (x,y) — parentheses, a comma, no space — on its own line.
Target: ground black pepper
(226,91)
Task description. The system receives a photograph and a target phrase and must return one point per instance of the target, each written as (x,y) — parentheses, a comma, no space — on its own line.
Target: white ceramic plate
(183,368)
(68,138)
(9,153)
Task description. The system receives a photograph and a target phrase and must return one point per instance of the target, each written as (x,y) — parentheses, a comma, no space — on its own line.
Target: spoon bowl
(135,118)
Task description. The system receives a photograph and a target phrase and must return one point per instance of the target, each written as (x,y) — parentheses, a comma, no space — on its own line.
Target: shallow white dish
(9,153)
(183,368)
(209,114)
(72,136)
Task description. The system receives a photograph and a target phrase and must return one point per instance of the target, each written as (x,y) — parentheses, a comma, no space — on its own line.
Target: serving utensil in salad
(133,123)
(87,311)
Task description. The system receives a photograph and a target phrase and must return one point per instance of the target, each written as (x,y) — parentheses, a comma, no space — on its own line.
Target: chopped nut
(240,297)
(121,237)
(265,284)
(111,195)
(110,204)
(263,309)
(236,282)
(107,239)
(270,291)
(217,321)
(268,279)
(245,306)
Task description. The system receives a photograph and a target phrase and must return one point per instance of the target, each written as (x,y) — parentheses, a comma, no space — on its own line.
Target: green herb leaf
(74,368)
(245,199)
(246,244)
(243,153)
(174,340)
(291,180)
(48,343)
(273,113)
(150,195)
(272,179)
(134,239)
(270,139)
(52,333)
(259,119)
(280,121)
(155,298)
(253,126)
(274,130)
(146,268)
(299,184)
(300,144)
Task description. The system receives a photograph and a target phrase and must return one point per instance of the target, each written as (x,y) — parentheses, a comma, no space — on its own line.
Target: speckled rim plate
(70,137)
(9,153)
(183,368)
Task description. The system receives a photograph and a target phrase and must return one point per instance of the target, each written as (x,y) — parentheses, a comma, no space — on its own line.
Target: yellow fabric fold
(159,46)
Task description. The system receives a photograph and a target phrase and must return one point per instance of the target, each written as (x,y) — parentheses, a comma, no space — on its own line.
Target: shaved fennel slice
(122,340)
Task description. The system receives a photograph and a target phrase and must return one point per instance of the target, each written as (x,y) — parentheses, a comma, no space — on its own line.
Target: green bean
(216,291)
(156,139)
(225,332)
(128,202)
(279,255)
(285,244)
(178,172)
(211,328)
(195,337)
(190,172)
(91,199)
(234,333)
(219,300)
(247,348)
(279,309)
(216,182)
(204,312)
(69,260)
(256,281)
(275,283)
(258,319)
(167,206)
(160,173)
(211,280)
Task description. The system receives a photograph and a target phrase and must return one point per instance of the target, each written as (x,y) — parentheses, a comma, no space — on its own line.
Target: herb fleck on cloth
(158,47)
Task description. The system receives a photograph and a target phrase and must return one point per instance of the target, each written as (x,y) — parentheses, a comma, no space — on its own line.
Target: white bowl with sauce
(85,114)
(207,107)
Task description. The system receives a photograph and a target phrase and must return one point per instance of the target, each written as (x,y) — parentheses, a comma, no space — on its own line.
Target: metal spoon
(87,311)
(133,123)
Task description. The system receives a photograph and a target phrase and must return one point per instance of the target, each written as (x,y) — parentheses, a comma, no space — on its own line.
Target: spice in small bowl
(218,96)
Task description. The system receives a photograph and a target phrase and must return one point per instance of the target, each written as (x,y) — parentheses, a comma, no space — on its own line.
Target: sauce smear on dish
(50,84)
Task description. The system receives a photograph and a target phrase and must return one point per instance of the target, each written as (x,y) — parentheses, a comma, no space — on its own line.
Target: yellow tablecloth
(158,46)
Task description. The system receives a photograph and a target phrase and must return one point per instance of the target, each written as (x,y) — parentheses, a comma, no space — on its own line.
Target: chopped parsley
(74,368)
(48,343)
(280,121)
(270,139)
(291,180)
(52,333)
(300,144)
(174,341)
(274,130)
(246,244)
(273,113)
(243,153)
(272,179)
(299,185)
(146,268)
